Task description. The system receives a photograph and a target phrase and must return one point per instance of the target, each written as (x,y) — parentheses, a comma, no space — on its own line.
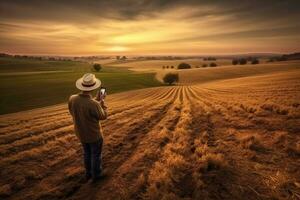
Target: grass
(22,65)
(13,65)
(51,82)
(251,142)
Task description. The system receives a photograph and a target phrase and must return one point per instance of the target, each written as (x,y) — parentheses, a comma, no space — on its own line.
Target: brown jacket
(86,113)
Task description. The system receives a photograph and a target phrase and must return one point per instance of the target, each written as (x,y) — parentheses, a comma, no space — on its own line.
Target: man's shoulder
(72,97)
(95,102)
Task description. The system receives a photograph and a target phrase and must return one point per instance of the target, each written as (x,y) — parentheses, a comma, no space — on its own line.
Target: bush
(171,78)
(255,61)
(163,67)
(213,64)
(172,67)
(184,66)
(204,65)
(97,67)
(235,62)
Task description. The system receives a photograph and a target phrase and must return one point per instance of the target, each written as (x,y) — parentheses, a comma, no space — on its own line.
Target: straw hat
(88,82)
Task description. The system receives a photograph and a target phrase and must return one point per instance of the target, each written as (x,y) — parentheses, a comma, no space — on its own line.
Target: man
(86,113)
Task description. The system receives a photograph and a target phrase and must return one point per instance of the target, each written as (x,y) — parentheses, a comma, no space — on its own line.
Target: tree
(184,66)
(235,62)
(171,78)
(242,61)
(163,67)
(172,67)
(211,58)
(118,57)
(167,66)
(123,58)
(204,65)
(250,59)
(213,64)
(97,67)
(282,58)
(255,61)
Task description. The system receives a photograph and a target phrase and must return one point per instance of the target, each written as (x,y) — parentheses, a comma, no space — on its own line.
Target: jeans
(93,158)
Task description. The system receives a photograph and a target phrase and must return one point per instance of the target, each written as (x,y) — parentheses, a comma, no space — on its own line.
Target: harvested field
(228,139)
(209,74)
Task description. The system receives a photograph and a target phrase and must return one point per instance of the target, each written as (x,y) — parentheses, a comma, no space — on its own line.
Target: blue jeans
(93,158)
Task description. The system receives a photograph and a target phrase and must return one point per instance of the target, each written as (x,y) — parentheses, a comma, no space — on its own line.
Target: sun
(118,49)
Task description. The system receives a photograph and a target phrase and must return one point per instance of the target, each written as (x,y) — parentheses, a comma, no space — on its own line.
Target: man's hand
(103,104)
(100,96)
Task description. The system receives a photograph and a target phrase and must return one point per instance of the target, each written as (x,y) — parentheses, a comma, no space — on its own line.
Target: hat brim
(84,88)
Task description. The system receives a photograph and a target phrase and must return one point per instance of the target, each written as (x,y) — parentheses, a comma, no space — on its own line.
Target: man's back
(86,113)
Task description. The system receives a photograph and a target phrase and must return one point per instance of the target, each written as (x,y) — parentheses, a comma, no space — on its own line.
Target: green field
(28,83)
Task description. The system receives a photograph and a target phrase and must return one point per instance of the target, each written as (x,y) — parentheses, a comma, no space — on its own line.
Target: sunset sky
(136,27)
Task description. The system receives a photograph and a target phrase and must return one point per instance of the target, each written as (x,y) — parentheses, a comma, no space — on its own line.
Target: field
(231,137)
(154,65)
(204,75)
(27,83)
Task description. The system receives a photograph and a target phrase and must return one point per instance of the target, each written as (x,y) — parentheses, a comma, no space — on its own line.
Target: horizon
(155,55)
(189,28)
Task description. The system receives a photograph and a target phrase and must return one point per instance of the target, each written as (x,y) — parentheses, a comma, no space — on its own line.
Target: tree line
(184,65)
(244,61)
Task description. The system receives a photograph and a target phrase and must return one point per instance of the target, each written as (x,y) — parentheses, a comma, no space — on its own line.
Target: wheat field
(226,139)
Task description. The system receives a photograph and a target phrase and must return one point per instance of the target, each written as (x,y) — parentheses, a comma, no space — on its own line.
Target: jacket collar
(85,95)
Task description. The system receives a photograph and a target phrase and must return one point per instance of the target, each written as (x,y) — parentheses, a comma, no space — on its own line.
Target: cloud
(150,26)
(82,11)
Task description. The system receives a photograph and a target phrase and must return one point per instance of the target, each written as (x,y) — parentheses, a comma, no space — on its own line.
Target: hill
(209,74)
(157,65)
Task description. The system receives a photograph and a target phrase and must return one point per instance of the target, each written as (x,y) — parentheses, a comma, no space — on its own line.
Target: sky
(149,27)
